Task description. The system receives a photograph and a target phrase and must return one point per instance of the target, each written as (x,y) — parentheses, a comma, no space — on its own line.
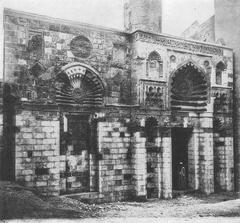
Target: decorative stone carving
(78,84)
(222,100)
(152,94)
(222,125)
(35,43)
(37,69)
(81,47)
(173,59)
(177,44)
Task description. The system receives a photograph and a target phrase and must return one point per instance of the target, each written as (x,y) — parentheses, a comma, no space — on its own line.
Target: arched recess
(189,88)
(220,67)
(154,65)
(78,83)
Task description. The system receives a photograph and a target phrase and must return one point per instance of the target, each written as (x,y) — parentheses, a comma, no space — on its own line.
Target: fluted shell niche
(79,85)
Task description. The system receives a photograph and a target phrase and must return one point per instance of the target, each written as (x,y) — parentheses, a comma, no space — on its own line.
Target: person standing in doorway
(182,176)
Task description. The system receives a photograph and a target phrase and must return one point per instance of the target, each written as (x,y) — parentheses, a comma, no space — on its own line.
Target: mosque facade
(112,115)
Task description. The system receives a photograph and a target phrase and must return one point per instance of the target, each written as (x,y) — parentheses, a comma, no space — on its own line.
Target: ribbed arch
(189,88)
(81,85)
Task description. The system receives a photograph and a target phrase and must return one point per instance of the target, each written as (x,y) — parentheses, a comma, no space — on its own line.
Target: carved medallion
(81,46)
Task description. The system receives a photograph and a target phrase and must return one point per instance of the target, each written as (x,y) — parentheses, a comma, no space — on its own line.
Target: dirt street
(185,206)
(18,202)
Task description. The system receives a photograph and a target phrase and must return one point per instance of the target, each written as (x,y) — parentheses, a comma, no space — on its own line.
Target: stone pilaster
(193,160)
(165,167)
(224,164)
(206,163)
(139,165)
(115,171)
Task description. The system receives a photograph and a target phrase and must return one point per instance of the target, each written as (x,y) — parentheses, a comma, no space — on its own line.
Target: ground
(18,202)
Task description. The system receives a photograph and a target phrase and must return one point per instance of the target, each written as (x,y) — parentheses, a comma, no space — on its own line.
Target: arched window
(219,71)
(154,65)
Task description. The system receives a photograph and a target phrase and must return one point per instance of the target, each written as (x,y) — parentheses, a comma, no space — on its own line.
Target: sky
(177,14)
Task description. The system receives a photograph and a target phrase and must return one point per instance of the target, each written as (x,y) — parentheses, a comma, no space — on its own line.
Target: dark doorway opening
(180,139)
(7,155)
(76,149)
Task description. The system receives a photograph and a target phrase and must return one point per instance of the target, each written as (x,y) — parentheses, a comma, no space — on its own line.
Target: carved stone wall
(36,50)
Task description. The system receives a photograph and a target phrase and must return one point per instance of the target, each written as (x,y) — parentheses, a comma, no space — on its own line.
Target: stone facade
(105,115)
(221,28)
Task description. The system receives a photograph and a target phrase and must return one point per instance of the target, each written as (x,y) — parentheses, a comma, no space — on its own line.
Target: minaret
(227,28)
(145,15)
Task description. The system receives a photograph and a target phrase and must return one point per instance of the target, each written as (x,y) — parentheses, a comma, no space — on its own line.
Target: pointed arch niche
(220,68)
(154,65)
(189,88)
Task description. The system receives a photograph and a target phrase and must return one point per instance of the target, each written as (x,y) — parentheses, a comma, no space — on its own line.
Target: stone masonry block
(37,153)
(39,135)
(49,141)
(47,153)
(46,123)
(41,183)
(27,172)
(48,129)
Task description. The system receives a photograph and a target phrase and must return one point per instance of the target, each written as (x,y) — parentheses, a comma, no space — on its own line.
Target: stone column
(167,167)
(223,170)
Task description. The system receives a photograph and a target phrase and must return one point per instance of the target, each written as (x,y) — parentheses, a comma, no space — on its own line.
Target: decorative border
(163,41)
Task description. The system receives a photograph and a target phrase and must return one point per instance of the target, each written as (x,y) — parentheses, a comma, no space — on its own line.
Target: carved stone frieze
(178,44)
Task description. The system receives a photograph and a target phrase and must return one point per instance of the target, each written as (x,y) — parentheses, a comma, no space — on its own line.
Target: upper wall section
(173,52)
(52,61)
(37,47)
(156,59)
(143,15)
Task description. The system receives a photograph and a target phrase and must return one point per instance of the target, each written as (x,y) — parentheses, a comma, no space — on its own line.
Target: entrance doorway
(180,140)
(75,177)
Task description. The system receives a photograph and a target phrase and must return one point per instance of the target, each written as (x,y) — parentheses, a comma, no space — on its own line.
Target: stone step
(88,197)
